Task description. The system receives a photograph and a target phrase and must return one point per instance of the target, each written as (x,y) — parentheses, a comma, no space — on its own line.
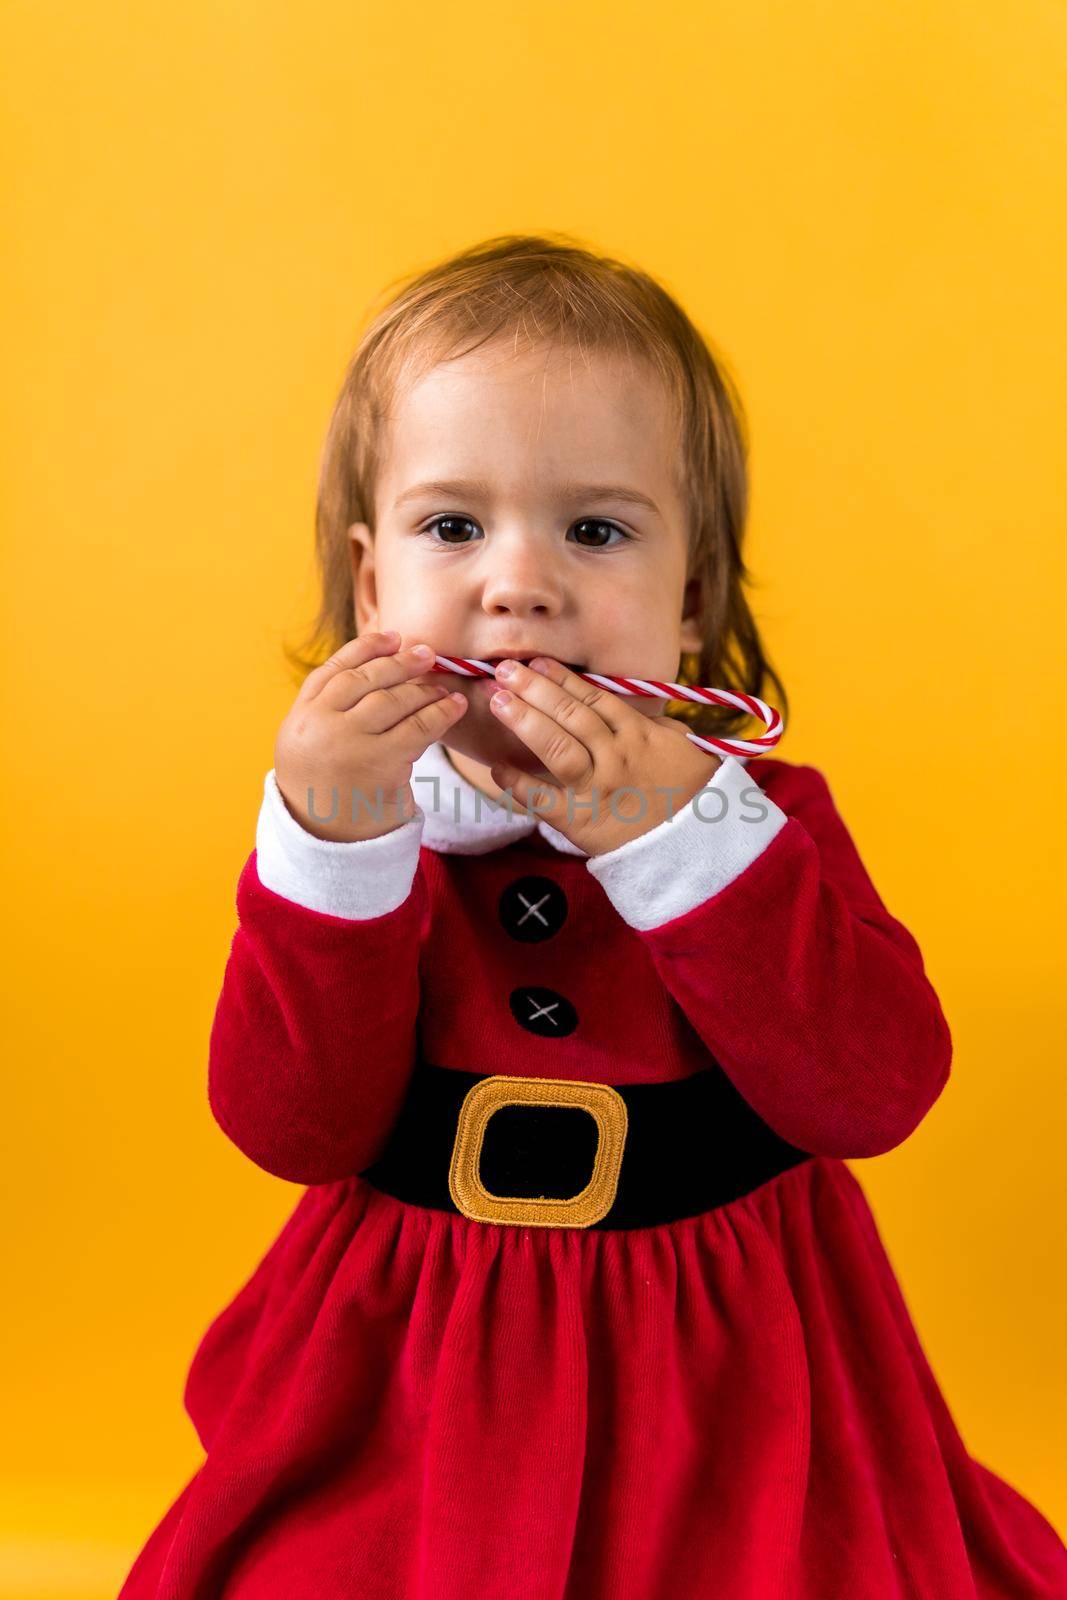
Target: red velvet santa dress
(404,1402)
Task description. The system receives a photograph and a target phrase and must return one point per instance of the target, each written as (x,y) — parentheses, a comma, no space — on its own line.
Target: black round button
(533,908)
(543,1011)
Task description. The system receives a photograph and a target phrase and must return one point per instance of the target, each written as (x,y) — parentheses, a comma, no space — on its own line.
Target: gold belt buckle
(603,1103)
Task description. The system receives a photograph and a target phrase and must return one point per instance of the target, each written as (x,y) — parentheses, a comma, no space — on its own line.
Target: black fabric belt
(557,1153)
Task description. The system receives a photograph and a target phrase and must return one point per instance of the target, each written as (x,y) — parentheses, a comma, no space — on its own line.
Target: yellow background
(862,205)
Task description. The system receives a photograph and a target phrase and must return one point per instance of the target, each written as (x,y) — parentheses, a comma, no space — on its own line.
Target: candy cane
(650,688)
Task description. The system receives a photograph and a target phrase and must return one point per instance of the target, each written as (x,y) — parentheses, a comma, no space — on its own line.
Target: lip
(526,656)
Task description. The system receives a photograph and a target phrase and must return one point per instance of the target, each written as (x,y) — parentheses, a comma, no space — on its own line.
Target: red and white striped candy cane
(771,719)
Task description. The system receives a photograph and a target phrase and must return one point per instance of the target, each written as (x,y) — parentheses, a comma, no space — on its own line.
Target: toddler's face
(501,529)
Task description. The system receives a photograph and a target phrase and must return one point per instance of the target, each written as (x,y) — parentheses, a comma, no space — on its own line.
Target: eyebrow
(570,491)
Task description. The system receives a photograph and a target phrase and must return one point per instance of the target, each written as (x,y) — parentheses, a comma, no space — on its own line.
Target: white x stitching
(543,1012)
(531,909)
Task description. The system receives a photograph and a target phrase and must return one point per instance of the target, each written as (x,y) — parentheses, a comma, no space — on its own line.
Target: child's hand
(594,744)
(357,726)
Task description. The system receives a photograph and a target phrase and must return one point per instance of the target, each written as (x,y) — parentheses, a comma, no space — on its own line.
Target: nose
(521,578)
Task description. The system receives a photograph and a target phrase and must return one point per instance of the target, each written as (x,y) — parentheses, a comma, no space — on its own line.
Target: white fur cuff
(692,855)
(361,879)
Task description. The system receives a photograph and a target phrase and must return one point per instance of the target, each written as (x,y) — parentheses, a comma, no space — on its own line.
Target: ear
(691,636)
(364,587)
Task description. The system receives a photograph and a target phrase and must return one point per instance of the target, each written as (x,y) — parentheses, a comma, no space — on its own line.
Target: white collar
(461,820)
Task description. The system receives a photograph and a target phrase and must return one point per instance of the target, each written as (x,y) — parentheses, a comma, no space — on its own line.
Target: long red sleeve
(812,997)
(313,1040)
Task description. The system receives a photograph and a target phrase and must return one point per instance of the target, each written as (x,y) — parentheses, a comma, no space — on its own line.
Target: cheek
(408,600)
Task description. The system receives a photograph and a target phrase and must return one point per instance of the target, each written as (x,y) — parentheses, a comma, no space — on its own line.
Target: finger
(562,755)
(612,709)
(351,684)
(425,724)
(351,654)
(534,794)
(377,713)
(566,715)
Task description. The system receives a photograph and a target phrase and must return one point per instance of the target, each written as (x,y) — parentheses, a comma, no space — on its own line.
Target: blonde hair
(552,289)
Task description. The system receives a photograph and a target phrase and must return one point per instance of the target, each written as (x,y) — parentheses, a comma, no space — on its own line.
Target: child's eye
(602,527)
(444,526)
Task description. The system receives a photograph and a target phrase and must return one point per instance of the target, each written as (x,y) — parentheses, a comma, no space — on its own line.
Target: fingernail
(422,651)
(502,698)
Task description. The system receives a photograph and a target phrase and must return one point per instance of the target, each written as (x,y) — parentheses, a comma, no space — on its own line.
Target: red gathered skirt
(406,1404)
